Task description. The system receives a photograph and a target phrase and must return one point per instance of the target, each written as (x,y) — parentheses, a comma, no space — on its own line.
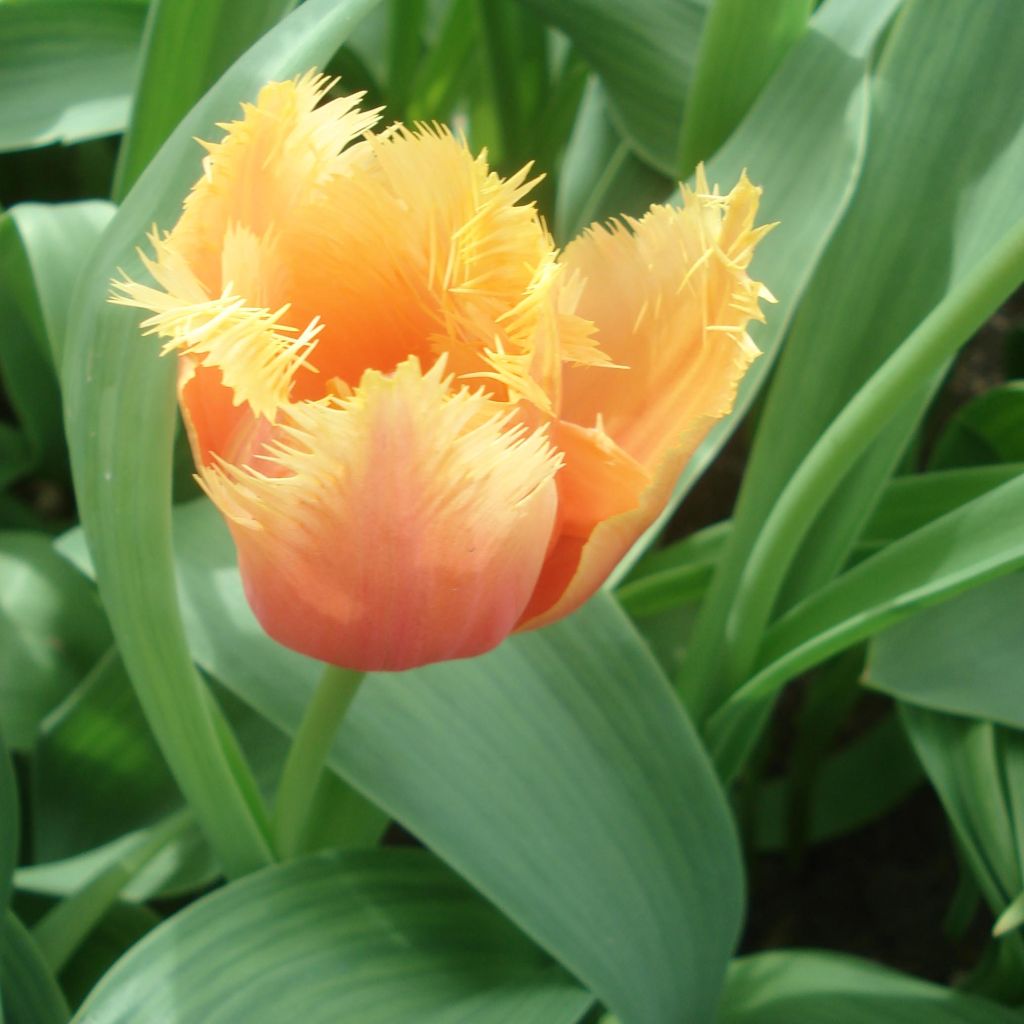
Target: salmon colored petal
(577,566)
(402,525)
(598,482)
(670,297)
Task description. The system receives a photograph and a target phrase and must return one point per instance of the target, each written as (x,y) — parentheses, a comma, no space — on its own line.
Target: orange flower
(425,426)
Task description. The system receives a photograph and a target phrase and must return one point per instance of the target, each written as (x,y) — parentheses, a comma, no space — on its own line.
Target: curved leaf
(66,70)
(825,988)
(381,938)
(558,774)
(52,630)
(28,989)
(10,824)
(965,657)
(114,383)
(644,53)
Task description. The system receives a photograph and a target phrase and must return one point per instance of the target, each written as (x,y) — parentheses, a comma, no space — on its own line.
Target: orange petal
(598,482)
(402,525)
(274,160)
(578,565)
(670,297)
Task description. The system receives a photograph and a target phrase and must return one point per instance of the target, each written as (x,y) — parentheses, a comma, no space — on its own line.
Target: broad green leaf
(66,70)
(52,630)
(965,657)
(741,44)
(809,987)
(515,768)
(804,147)
(187,45)
(386,937)
(644,53)
(947,93)
(989,429)
(974,543)
(29,992)
(10,824)
(114,384)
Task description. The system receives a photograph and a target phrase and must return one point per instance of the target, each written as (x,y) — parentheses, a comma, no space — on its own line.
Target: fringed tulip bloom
(426,427)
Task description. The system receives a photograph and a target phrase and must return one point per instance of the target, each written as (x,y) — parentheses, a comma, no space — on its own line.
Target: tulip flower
(425,426)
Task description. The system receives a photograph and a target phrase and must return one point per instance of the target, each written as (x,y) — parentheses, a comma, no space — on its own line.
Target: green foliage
(581,821)
(383,937)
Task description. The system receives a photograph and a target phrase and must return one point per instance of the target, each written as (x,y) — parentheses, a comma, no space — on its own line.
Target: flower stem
(935,340)
(300,777)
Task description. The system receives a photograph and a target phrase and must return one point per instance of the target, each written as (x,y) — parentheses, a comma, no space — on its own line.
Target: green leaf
(947,93)
(115,384)
(383,938)
(974,543)
(601,177)
(66,71)
(129,787)
(183,866)
(187,46)
(741,44)
(28,989)
(123,926)
(804,147)
(515,768)
(680,572)
(989,429)
(977,769)
(644,53)
(52,630)
(826,988)
(852,787)
(26,369)
(57,239)
(442,73)
(965,657)
(10,824)
(910,502)
(42,249)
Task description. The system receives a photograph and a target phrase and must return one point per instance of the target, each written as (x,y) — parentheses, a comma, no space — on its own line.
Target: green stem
(304,766)
(936,339)
(64,928)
